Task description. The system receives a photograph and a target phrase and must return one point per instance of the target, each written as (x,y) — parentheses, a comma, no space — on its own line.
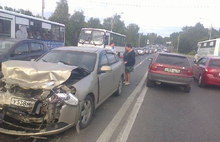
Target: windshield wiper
(94,42)
(64,63)
(43,60)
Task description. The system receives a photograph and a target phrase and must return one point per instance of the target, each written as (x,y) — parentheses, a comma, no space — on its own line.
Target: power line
(157,6)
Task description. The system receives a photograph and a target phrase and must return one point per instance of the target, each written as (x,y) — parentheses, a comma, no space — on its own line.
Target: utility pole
(139,39)
(178,42)
(43,6)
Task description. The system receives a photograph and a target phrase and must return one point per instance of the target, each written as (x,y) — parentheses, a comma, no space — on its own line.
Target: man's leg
(126,77)
(129,77)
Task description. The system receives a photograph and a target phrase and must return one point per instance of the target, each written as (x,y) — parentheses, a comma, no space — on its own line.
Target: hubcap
(86,112)
(200,79)
(120,86)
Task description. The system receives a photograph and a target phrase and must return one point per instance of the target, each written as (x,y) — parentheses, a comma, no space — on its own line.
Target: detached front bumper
(170,79)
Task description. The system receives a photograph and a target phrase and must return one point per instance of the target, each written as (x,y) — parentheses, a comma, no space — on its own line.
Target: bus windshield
(6,45)
(91,37)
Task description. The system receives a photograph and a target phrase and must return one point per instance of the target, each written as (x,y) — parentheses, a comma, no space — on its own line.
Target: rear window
(214,63)
(172,60)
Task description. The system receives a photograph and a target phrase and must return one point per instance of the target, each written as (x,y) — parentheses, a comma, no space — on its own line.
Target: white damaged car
(58,91)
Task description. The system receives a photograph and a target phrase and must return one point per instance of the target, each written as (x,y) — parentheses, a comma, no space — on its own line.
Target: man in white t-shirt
(112,47)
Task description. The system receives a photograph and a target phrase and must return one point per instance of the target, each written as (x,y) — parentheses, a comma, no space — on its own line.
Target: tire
(149,82)
(187,89)
(120,86)
(86,112)
(200,82)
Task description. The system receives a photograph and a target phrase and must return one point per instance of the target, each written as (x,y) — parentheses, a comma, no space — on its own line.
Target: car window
(103,60)
(111,58)
(202,61)
(214,63)
(36,47)
(172,60)
(22,49)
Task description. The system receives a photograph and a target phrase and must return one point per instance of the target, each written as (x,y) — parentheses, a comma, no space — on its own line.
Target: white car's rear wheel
(120,86)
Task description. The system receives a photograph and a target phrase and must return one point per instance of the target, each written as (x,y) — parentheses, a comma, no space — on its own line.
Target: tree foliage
(94,23)
(132,34)
(61,13)
(1,7)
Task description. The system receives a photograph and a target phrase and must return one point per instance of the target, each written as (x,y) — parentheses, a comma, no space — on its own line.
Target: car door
(36,50)
(196,68)
(105,79)
(21,52)
(116,70)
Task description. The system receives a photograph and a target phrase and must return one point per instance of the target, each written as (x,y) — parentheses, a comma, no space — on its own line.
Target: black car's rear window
(214,63)
(172,60)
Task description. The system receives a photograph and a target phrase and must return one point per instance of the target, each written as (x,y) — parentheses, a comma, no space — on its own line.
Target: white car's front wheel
(87,112)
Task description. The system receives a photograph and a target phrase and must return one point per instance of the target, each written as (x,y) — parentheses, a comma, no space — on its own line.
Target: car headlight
(68,98)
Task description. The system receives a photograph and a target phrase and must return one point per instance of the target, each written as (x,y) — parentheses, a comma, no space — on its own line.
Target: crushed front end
(37,110)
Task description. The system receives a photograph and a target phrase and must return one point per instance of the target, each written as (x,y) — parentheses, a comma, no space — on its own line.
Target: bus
(208,48)
(100,38)
(16,25)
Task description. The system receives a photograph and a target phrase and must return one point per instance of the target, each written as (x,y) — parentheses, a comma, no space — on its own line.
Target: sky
(159,16)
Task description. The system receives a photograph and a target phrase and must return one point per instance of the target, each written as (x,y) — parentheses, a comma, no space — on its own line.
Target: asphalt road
(162,113)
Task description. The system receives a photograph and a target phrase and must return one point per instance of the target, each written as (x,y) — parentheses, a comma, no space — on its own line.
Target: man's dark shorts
(129,69)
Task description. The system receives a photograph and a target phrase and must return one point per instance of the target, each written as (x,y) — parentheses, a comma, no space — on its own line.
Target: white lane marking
(123,135)
(140,63)
(109,130)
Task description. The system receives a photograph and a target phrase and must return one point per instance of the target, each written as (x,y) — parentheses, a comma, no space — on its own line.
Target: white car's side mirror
(106,69)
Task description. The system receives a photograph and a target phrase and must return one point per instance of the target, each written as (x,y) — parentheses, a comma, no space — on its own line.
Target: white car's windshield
(73,58)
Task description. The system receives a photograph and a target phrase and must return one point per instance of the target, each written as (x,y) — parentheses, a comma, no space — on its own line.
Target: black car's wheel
(200,81)
(120,86)
(149,82)
(187,89)
(86,112)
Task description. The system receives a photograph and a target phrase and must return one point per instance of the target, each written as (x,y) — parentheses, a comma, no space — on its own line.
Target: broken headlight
(68,98)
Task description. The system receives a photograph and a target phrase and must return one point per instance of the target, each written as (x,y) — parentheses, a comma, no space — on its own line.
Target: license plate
(22,102)
(171,70)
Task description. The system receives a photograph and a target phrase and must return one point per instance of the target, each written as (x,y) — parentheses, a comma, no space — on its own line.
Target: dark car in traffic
(207,71)
(21,49)
(171,69)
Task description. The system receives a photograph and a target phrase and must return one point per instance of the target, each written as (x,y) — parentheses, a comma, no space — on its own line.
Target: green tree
(1,7)
(8,8)
(94,23)
(26,12)
(116,23)
(174,39)
(190,36)
(107,23)
(76,23)
(159,40)
(152,38)
(61,13)
(132,34)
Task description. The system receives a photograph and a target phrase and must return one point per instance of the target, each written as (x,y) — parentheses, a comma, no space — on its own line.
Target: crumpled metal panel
(35,75)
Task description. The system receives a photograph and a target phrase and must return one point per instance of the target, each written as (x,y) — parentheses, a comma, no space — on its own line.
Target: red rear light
(153,67)
(190,73)
(208,70)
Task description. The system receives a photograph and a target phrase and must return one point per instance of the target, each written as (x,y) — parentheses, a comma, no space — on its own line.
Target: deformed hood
(35,75)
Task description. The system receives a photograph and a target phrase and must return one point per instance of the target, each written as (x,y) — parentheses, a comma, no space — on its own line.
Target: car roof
(172,54)
(81,49)
(212,57)
(19,40)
